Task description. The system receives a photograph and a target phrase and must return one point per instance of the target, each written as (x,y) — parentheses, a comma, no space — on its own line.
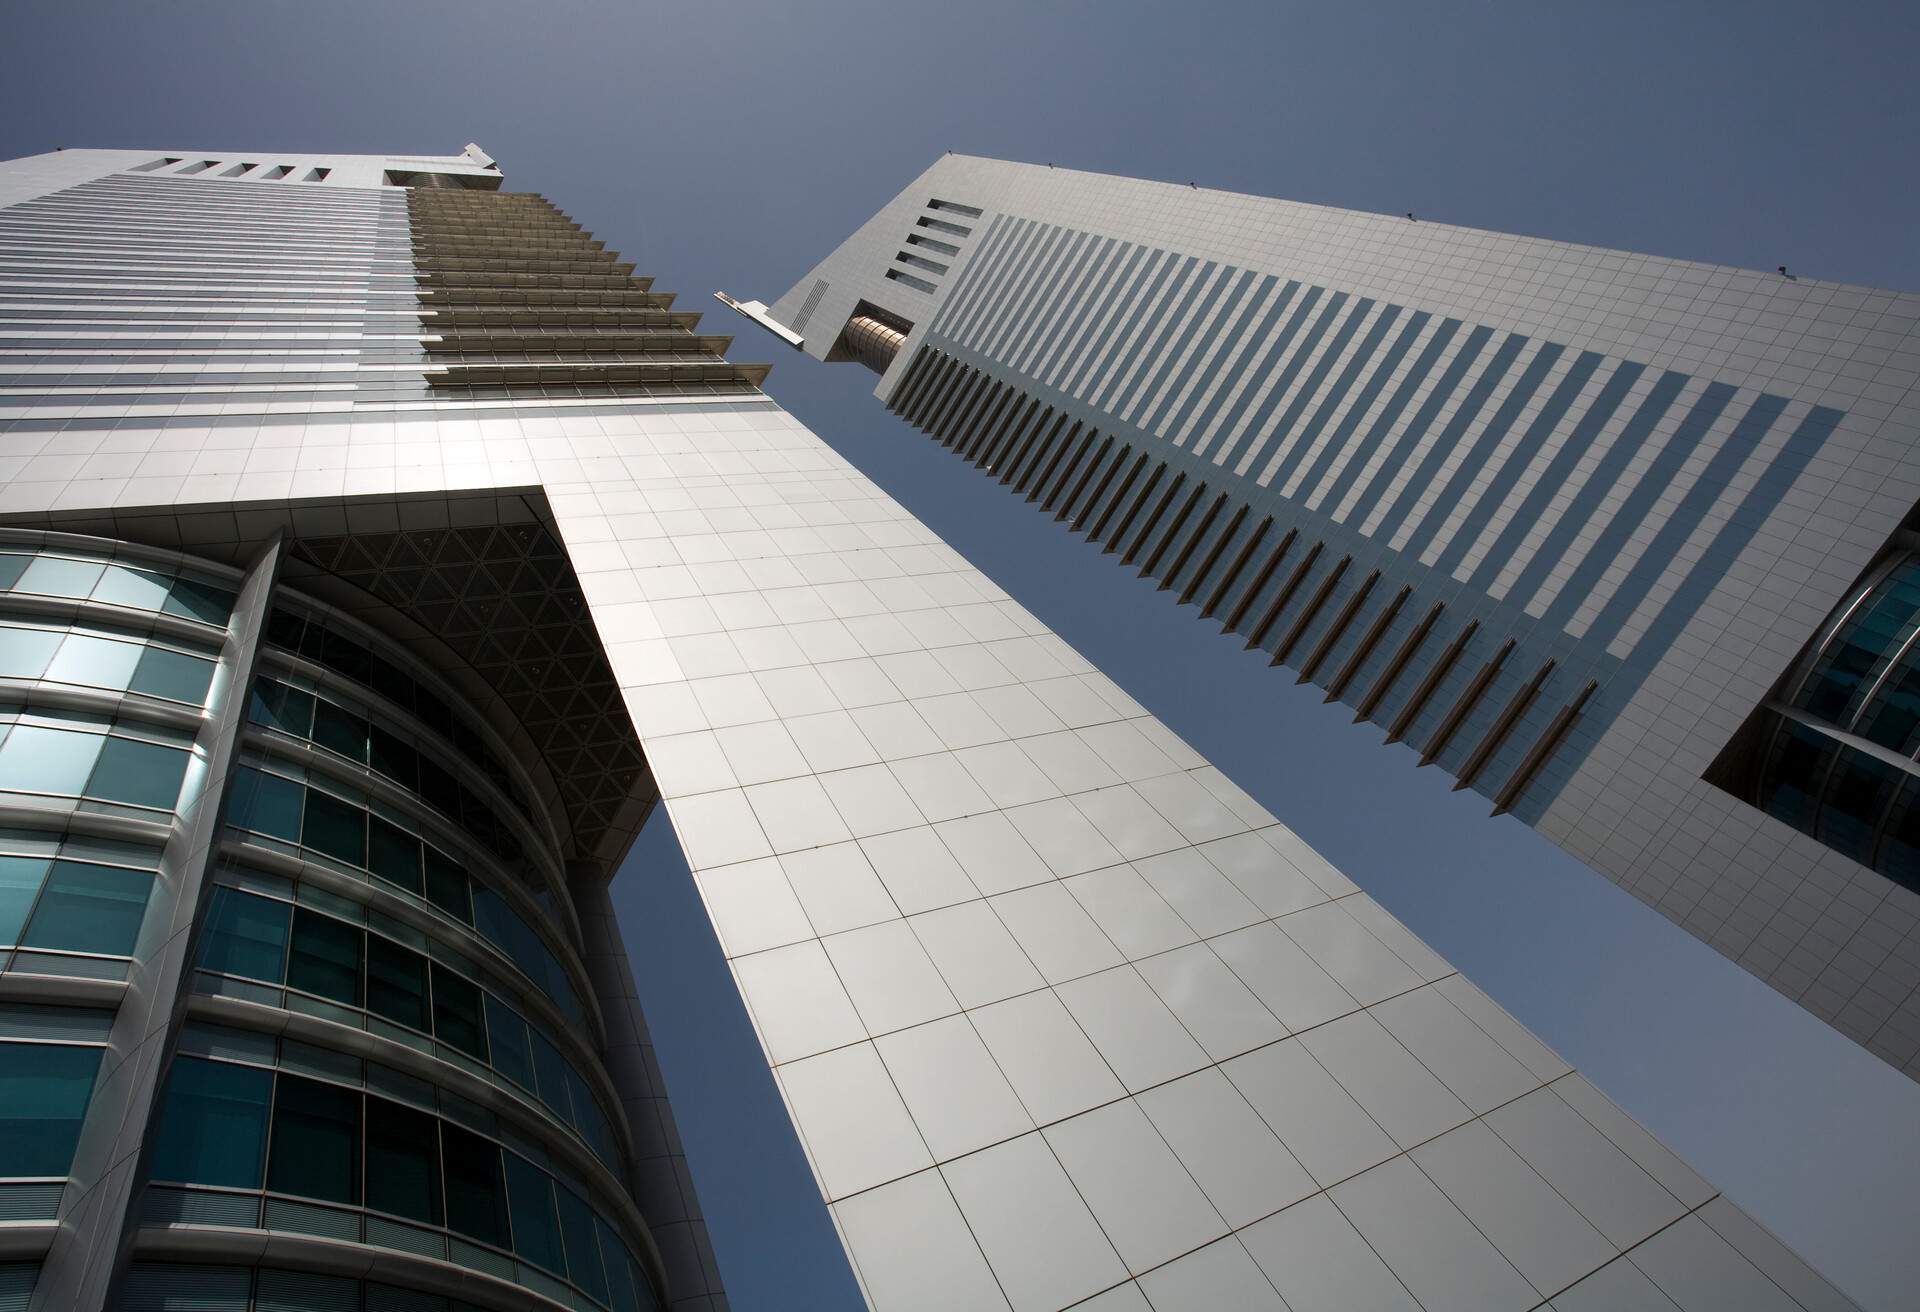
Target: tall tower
(1624,544)
(375,550)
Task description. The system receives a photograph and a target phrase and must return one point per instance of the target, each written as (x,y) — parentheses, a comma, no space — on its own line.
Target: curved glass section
(1838,754)
(49,1059)
(255,1133)
(82,575)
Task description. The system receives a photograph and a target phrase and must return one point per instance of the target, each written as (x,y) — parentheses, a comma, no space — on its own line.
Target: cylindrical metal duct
(873,343)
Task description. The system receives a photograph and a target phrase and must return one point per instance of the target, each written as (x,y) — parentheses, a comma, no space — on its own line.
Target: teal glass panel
(123,585)
(393,854)
(340,731)
(278,706)
(325,957)
(447,886)
(396,983)
(621,1294)
(583,1249)
(20,880)
(59,577)
(11,567)
(335,827)
(26,653)
(456,1013)
(403,1161)
(97,662)
(138,773)
(476,1193)
(39,760)
(213,1124)
(316,1141)
(44,1090)
(552,1070)
(536,1226)
(198,601)
(173,675)
(395,759)
(89,909)
(265,803)
(245,935)
(507,1038)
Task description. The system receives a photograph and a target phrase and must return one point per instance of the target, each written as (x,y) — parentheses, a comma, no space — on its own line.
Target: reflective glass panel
(325,957)
(39,760)
(403,1161)
(507,1035)
(141,774)
(316,1141)
(20,880)
(245,935)
(395,759)
(44,1090)
(198,601)
(552,1069)
(122,585)
(393,854)
(536,1226)
(335,827)
(99,662)
(11,567)
(58,577)
(265,803)
(278,706)
(25,653)
(396,983)
(476,1198)
(89,909)
(340,731)
(213,1124)
(173,675)
(456,1013)
(583,1250)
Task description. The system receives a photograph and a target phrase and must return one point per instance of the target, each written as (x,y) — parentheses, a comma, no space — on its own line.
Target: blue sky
(730,146)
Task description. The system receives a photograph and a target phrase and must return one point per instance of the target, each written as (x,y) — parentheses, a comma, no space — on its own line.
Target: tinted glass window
(100,662)
(174,675)
(476,1198)
(278,706)
(38,760)
(583,1250)
(89,909)
(456,1013)
(60,578)
(245,935)
(25,653)
(197,601)
(143,774)
(340,731)
(396,983)
(393,854)
(213,1124)
(395,759)
(20,880)
(403,1161)
(44,1090)
(122,585)
(316,1141)
(325,957)
(447,886)
(265,803)
(552,1068)
(536,1226)
(335,827)
(507,1035)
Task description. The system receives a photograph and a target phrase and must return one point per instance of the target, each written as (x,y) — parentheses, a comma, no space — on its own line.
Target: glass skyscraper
(376,550)
(1624,544)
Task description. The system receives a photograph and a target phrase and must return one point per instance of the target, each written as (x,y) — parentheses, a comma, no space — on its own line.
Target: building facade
(1622,543)
(375,551)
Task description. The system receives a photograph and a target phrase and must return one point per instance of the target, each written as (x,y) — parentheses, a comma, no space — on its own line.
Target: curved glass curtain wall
(107,667)
(382,869)
(1840,757)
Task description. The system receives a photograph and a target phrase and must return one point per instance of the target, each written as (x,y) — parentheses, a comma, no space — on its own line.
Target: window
(970,211)
(316,175)
(41,760)
(403,1161)
(583,1252)
(265,803)
(153,164)
(173,675)
(456,1013)
(59,577)
(334,827)
(213,1124)
(918,284)
(340,731)
(393,854)
(123,585)
(325,959)
(507,1035)
(138,773)
(20,880)
(316,1141)
(44,1091)
(447,887)
(245,936)
(279,706)
(476,1194)
(87,908)
(536,1226)
(26,653)
(552,1069)
(100,662)
(396,983)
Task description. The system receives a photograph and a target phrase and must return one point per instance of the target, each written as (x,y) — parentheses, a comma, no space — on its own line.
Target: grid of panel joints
(1124,500)
(518,301)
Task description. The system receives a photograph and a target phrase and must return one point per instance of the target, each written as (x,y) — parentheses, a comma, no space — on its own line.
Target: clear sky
(731,145)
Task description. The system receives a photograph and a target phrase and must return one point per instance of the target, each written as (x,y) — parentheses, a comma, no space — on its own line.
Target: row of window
(278,807)
(44,1091)
(1867,680)
(40,758)
(98,579)
(260,938)
(314,641)
(71,906)
(1855,803)
(171,1287)
(243,1127)
(100,661)
(295,711)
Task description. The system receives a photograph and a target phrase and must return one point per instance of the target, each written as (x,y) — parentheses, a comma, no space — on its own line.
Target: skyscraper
(1624,544)
(375,550)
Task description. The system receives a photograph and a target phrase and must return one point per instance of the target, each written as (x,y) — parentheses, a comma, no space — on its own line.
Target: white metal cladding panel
(1056,1008)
